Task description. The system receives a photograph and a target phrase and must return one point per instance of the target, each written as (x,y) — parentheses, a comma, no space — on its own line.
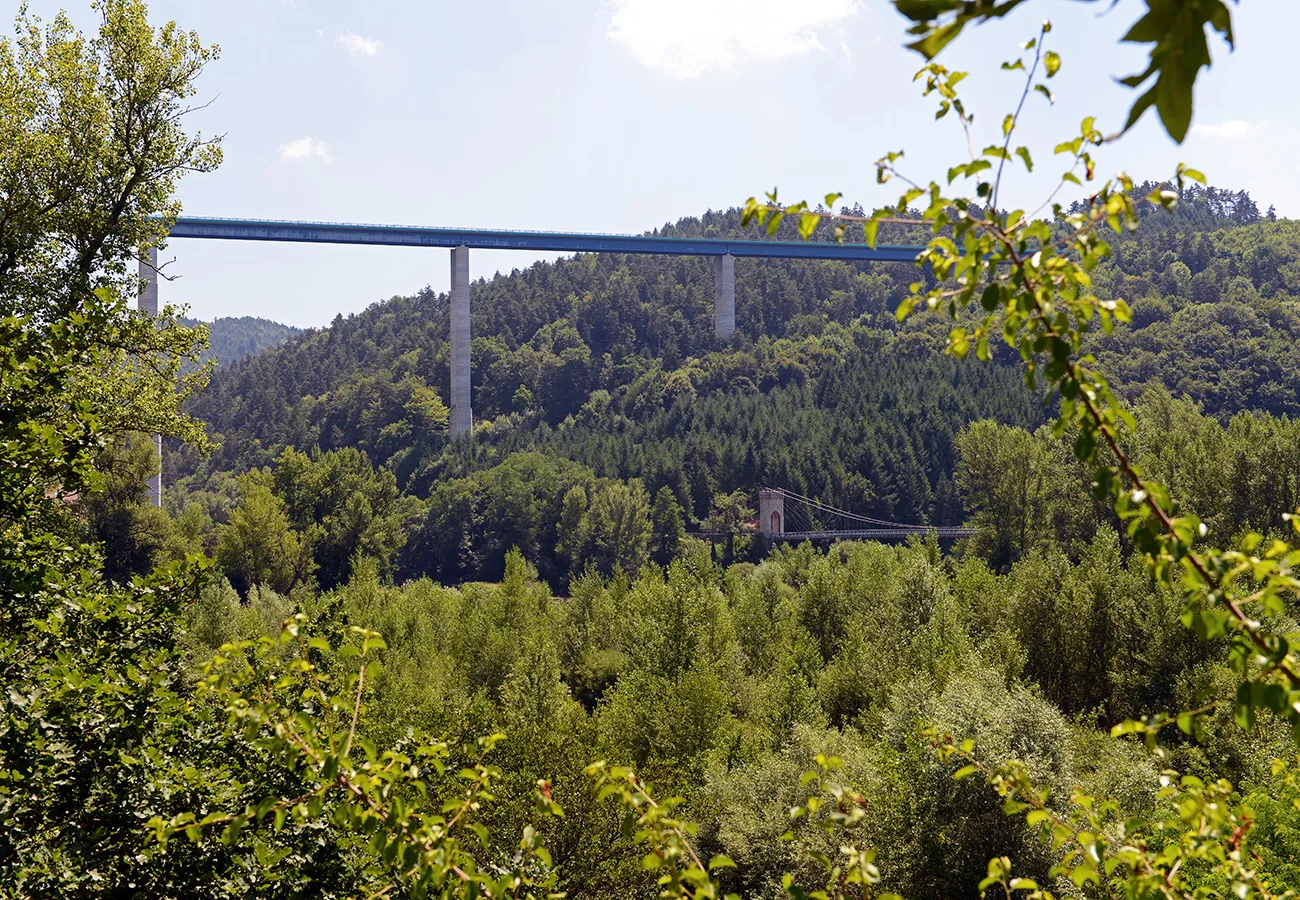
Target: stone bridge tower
(771,513)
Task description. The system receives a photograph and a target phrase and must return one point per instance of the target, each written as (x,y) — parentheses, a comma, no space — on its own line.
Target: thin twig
(1129,471)
(356,708)
(1015,120)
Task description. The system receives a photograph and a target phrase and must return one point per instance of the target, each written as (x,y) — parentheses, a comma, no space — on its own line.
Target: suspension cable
(817,504)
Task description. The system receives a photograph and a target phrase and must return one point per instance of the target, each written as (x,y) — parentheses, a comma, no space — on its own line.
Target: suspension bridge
(786,516)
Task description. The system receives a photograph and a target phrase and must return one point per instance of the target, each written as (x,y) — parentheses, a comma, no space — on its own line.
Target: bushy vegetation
(350,660)
(722,684)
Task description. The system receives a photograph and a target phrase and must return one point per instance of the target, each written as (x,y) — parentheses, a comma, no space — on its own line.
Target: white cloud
(689,37)
(358,45)
(1230,130)
(306,148)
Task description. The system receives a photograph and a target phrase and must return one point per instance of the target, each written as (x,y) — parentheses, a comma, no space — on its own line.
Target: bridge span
(461,240)
(786,516)
(943,532)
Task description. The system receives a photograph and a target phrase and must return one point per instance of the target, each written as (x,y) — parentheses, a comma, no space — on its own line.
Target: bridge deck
(866,534)
(497,239)
(875,534)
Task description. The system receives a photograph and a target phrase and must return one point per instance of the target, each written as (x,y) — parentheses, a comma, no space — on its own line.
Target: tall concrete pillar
(771,513)
(462,417)
(148,305)
(724,297)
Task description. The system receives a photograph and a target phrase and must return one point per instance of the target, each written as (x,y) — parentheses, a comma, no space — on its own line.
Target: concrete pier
(148,305)
(148,302)
(724,297)
(462,417)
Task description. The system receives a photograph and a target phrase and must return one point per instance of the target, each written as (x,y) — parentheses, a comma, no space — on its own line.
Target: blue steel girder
(497,239)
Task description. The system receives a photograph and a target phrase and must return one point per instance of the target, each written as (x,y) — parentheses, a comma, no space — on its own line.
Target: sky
(621,115)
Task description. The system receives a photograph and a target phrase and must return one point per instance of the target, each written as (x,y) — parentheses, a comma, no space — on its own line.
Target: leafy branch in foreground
(855,874)
(416,823)
(682,874)
(1178,32)
(1026,280)
(667,838)
(1200,835)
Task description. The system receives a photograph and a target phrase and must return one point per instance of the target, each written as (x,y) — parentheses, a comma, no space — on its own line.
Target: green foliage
(258,547)
(1177,31)
(354,509)
(92,149)
(315,758)
(136,536)
(231,338)
(1198,845)
(95,721)
(666,526)
(416,819)
(1033,281)
(1042,306)
(1023,490)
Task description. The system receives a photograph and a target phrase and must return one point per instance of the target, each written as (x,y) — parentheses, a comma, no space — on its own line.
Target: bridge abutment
(147,304)
(462,416)
(724,296)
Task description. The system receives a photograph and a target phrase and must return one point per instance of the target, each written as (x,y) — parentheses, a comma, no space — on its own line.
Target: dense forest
(611,425)
(349,658)
(232,338)
(603,368)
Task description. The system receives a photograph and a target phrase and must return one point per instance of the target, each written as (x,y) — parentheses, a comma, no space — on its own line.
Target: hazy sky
(620,115)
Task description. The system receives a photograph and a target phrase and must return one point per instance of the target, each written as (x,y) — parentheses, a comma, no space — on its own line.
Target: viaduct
(460,241)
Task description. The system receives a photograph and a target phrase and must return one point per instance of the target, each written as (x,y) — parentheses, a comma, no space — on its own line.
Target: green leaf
(936,39)
(991,299)
(808,223)
(1052,62)
(1174,104)
(1141,105)
(1148,29)
(1243,708)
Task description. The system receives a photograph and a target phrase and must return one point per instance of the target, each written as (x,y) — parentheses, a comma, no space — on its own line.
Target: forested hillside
(609,362)
(232,338)
(347,659)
